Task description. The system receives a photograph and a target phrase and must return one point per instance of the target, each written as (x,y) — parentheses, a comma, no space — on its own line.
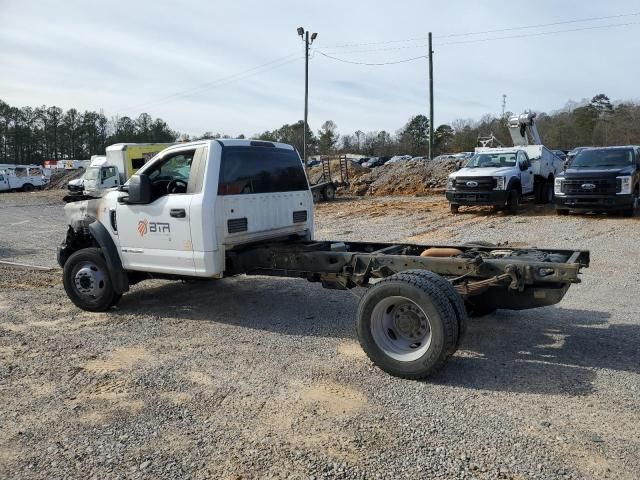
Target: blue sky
(179,61)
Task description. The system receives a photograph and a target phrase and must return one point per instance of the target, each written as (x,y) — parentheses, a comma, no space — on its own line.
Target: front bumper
(469,197)
(594,202)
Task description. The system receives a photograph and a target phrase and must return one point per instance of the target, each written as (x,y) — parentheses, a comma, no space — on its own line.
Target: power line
(538,34)
(372,64)
(483,32)
(506,37)
(273,64)
(541,25)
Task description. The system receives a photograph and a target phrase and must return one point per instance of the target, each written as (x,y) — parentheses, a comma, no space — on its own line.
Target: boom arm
(523,130)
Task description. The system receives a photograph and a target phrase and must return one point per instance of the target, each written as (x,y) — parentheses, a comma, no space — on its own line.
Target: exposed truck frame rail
(515,281)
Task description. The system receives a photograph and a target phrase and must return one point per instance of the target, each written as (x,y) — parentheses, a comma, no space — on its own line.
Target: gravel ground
(255,377)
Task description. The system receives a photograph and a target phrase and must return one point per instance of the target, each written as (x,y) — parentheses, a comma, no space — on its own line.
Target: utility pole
(307,42)
(430,98)
(504,104)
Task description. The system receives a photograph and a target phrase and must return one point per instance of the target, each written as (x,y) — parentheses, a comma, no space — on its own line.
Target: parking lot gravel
(256,377)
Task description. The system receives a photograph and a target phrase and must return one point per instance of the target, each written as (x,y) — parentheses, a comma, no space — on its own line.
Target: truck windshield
(92,173)
(246,170)
(605,158)
(492,160)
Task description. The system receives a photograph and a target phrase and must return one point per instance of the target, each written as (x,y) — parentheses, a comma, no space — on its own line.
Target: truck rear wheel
(456,301)
(87,283)
(407,326)
(27,187)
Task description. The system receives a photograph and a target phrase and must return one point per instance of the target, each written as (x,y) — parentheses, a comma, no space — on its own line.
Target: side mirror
(523,167)
(139,189)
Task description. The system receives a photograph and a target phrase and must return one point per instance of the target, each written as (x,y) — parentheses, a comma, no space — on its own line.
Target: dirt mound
(59,179)
(412,177)
(355,170)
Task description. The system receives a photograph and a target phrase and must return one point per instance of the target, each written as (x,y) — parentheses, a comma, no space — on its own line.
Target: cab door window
(523,160)
(170,175)
(108,173)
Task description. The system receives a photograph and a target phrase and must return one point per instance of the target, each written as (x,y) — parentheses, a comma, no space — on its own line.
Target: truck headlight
(500,183)
(451,183)
(624,185)
(557,186)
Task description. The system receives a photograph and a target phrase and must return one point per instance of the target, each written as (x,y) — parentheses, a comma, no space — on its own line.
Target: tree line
(30,135)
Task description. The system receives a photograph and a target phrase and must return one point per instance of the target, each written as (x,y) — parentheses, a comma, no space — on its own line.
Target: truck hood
(483,172)
(83,213)
(76,182)
(580,173)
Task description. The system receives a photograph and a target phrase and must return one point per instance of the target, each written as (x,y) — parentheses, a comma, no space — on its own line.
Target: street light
(305,36)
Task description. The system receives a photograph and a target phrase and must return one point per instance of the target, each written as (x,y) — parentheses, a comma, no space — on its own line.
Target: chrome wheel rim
(89,280)
(400,328)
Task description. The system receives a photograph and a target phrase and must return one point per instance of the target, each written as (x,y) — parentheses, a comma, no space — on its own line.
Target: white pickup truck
(22,177)
(501,177)
(217,208)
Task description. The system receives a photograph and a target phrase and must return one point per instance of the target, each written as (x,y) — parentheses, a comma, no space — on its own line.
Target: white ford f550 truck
(217,208)
(501,177)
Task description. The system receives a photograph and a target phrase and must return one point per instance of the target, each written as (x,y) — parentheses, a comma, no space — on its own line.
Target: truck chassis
(413,315)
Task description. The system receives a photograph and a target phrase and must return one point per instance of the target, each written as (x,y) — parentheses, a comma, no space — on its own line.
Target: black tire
(513,203)
(316,195)
(562,211)
(454,208)
(630,212)
(416,360)
(538,193)
(86,281)
(329,193)
(549,194)
(456,301)
(27,187)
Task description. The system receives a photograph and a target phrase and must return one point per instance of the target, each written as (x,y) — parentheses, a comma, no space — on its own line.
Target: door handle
(178,213)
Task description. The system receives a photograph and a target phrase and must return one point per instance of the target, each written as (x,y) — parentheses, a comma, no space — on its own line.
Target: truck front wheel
(454,208)
(513,203)
(87,283)
(407,326)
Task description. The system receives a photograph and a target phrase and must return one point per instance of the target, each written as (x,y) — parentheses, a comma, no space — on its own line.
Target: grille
(235,225)
(600,186)
(300,216)
(484,183)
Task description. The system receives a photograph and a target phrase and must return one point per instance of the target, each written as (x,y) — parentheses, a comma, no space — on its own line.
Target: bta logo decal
(145,226)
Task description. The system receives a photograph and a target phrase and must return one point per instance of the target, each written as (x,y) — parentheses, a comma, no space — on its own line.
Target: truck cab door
(526,173)
(156,237)
(109,177)
(4,182)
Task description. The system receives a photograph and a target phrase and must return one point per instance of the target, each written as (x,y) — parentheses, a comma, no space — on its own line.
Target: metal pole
(306,97)
(430,98)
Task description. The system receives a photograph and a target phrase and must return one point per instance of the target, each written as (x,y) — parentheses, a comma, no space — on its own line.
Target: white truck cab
(181,212)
